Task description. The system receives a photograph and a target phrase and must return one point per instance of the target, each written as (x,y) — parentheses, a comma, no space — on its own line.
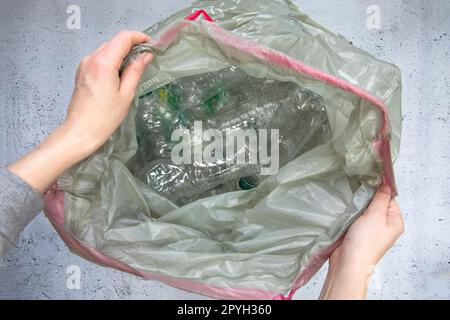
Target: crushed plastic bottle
(206,90)
(158,116)
(184,183)
(297,121)
(224,100)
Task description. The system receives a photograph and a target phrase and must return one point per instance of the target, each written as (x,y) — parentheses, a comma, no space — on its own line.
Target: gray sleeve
(19,204)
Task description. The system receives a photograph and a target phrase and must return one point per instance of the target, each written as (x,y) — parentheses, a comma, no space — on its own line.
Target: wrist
(354,255)
(43,165)
(62,149)
(75,142)
(348,278)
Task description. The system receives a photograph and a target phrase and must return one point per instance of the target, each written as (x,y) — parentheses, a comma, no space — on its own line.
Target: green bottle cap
(248,183)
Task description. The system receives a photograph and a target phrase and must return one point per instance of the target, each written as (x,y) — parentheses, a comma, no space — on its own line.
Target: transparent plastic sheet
(255,243)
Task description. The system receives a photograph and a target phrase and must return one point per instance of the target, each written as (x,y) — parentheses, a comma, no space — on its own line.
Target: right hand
(364,244)
(374,233)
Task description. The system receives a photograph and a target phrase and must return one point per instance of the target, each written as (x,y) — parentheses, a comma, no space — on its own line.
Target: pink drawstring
(197,13)
(289,296)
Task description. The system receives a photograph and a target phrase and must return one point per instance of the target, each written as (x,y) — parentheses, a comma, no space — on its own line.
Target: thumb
(380,202)
(395,218)
(133,73)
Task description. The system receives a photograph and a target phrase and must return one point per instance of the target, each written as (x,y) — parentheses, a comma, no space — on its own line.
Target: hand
(100,102)
(365,243)
(101,99)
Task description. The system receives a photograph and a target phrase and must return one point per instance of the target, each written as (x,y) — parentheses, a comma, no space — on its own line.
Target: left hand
(100,102)
(101,99)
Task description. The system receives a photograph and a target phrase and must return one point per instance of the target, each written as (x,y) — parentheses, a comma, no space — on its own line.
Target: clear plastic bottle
(224,100)
(179,104)
(197,91)
(259,100)
(185,183)
(157,117)
(297,121)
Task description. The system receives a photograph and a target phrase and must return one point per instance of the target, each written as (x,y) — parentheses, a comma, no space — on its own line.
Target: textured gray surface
(38,59)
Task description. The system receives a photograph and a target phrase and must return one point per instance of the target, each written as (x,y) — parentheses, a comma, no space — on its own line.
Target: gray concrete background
(38,59)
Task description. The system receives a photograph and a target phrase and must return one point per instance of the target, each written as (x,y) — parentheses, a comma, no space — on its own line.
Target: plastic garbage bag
(220,228)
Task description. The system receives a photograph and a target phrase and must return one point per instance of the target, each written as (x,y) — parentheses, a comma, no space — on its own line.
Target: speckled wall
(38,59)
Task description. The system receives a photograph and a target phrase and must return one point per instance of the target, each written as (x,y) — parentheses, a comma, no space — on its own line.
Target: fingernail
(385,188)
(147,58)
